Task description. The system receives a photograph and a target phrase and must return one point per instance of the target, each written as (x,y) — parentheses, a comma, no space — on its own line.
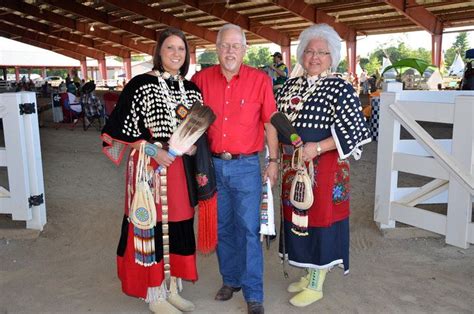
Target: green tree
(258,56)
(363,62)
(342,67)
(208,57)
(397,53)
(404,51)
(423,54)
(373,65)
(460,46)
(138,58)
(294,61)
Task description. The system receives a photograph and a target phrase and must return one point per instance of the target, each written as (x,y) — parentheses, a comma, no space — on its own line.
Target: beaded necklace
(293,105)
(172,103)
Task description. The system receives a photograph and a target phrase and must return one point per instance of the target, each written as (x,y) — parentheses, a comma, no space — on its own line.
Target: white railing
(24,198)
(449,161)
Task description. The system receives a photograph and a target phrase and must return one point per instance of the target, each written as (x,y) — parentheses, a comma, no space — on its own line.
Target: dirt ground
(70,266)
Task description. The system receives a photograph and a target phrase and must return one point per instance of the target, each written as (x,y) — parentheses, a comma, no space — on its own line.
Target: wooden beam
(65,35)
(351,46)
(75,25)
(436,51)
(35,36)
(166,18)
(219,10)
(312,14)
(103,17)
(418,15)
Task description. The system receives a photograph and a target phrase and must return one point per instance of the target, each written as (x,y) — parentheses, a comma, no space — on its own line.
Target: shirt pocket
(249,114)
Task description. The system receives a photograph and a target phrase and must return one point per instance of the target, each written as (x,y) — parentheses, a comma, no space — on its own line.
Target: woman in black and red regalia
(326,112)
(149,109)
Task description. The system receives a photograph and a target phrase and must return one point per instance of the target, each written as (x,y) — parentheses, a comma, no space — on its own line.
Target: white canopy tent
(390,74)
(457,68)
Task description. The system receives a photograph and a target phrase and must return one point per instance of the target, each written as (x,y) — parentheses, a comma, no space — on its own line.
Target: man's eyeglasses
(235,46)
(312,53)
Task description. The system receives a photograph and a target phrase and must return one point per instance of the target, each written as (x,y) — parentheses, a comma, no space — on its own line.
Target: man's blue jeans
(239,189)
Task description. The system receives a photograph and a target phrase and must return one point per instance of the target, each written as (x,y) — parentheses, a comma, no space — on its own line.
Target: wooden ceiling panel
(133,26)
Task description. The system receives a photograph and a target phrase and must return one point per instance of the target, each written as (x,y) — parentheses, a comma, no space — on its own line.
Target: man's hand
(271,173)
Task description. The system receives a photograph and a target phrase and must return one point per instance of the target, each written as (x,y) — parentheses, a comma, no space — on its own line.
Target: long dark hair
(170,31)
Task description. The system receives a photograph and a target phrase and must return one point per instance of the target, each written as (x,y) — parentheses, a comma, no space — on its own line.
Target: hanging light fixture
(92,27)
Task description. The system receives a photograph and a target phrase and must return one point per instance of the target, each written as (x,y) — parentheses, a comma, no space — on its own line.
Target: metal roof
(96,28)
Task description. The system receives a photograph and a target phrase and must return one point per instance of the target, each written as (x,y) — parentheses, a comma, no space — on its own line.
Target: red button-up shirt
(242,106)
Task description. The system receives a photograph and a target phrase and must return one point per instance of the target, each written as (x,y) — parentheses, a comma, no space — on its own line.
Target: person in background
(326,112)
(243,101)
(279,71)
(364,83)
(73,97)
(68,80)
(150,108)
(75,79)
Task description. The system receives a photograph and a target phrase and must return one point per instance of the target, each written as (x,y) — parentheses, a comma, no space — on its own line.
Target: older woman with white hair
(326,112)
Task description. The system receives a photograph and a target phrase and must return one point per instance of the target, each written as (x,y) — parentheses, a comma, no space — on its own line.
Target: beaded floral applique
(202,179)
(341,190)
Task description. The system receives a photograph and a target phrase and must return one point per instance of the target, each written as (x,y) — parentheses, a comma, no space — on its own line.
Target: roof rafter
(77,25)
(166,18)
(35,36)
(65,35)
(418,15)
(232,16)
(104,18)
(312,14)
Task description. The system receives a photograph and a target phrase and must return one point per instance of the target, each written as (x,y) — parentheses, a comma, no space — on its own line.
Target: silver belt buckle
(226,156)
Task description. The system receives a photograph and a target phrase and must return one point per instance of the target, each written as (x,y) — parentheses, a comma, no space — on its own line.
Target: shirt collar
(236,76)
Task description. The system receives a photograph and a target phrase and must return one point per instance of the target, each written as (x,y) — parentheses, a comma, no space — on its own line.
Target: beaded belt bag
(301,192)
(142,213)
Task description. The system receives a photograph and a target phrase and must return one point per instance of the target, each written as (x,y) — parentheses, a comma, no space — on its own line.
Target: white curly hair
(322,31)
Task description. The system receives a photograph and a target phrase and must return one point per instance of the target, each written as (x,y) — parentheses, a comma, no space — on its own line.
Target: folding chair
(93,110)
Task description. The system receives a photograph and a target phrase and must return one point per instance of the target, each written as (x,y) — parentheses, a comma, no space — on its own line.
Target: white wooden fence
(449,161)
(24,198)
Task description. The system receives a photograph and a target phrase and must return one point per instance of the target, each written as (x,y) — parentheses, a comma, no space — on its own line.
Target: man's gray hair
(228,27)
(322,31)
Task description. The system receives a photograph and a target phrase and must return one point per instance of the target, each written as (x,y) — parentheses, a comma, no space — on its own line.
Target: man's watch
(319,150)
(276,160)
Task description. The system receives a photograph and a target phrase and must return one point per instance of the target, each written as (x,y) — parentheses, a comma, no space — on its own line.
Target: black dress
(148,110)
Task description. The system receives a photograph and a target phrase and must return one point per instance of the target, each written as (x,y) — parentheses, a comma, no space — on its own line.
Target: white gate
(449,161)
(24,198)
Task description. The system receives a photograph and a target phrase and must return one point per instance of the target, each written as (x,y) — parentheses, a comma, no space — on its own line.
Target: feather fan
(280,121)
(190,130)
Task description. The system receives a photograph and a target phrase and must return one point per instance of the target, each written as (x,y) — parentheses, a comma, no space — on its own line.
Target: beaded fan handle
(164,226)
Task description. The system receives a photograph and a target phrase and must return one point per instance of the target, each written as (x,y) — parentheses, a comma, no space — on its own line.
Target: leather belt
(229,156)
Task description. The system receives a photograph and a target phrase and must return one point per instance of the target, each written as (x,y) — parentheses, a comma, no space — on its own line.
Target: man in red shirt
(242,99)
